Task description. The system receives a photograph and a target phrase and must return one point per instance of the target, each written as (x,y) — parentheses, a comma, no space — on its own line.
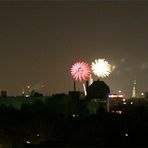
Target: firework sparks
(80,71)
(101,68)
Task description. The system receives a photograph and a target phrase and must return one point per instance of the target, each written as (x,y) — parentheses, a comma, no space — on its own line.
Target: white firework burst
(101,68)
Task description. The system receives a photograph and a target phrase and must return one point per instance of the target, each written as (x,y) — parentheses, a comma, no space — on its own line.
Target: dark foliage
(59,122)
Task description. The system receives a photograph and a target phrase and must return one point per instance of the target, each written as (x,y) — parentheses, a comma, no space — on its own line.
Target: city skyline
(40,41)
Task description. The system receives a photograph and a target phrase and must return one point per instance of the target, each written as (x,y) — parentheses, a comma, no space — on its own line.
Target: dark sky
(39,41)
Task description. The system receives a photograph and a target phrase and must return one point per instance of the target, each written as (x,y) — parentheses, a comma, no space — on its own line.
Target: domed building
(98,90)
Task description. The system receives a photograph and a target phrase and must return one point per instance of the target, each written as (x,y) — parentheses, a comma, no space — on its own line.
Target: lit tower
(134,90)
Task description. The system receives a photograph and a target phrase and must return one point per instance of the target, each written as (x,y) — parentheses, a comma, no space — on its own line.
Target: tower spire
(134,89)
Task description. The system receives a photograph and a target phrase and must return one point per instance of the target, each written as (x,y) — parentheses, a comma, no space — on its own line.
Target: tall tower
(134,90)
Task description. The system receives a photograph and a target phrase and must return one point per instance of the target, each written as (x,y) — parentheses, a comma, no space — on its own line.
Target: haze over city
(40,41)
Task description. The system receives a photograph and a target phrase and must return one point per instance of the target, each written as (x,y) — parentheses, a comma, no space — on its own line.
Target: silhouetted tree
(38,106)
(26,107)
(36,94)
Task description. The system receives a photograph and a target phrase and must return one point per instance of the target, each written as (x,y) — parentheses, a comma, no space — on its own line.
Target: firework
(80,71)
(84,88)
(101,68)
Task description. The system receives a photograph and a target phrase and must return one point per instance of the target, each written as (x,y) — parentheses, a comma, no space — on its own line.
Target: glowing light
(117,96)
(101,68)
(28,86)
(95,100)
(113,67)
(28,142)
(119,91)
(119,112)
(124,100)
(23,92)
(111,96)
(142,94)
(80,71)
(27,96)
(120,96)
(84,87)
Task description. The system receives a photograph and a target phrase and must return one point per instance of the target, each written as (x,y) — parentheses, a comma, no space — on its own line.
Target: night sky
(39,41)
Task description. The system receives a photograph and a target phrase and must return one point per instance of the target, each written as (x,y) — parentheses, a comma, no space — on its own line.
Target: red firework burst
(80,71)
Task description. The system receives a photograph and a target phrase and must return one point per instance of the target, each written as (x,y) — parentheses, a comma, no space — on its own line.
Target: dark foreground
(37,125)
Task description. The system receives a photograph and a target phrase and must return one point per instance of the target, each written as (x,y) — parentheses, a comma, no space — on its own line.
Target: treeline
(61,121)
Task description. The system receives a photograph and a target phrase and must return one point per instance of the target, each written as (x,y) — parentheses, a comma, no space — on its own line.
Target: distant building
(146,94)
(97,94)
(116,96)
(3,94)
(98,89)
(33,93)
